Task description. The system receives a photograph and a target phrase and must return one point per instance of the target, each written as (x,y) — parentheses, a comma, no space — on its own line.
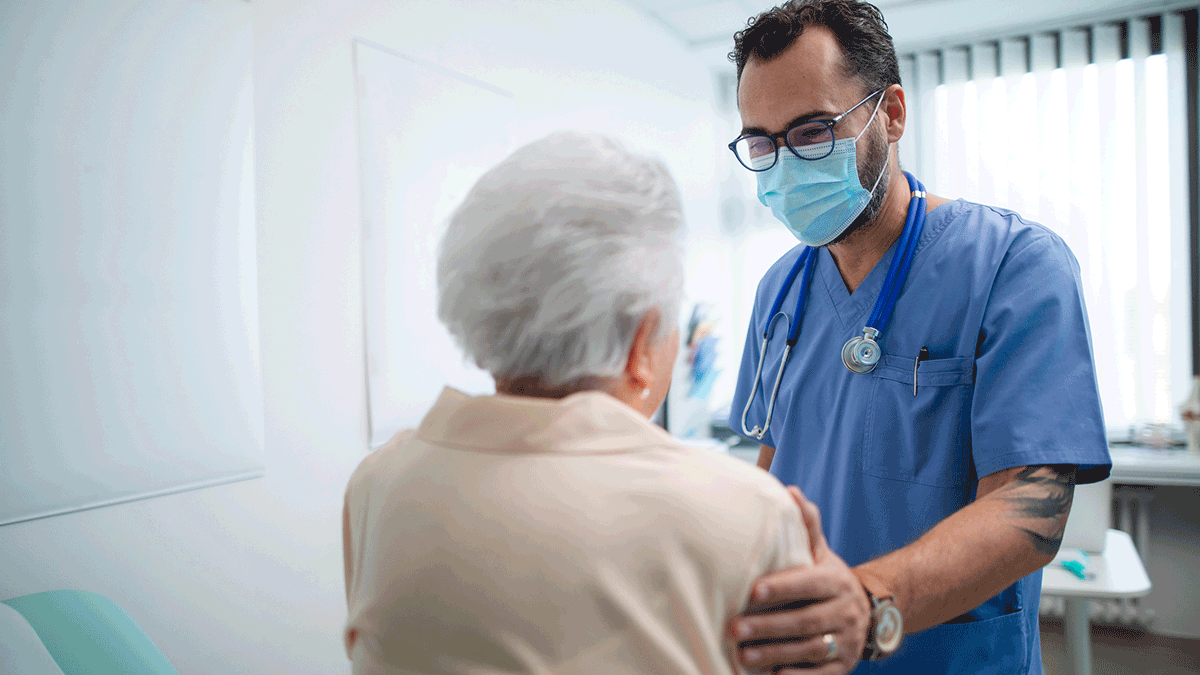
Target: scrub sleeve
(1035,399)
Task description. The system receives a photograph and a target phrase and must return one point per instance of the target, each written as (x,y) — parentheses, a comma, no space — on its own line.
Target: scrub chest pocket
(923,438)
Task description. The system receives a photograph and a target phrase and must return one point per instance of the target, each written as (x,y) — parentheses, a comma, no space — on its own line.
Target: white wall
(128,299)
(247,578)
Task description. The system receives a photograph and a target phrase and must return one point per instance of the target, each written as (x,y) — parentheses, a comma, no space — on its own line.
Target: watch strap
(882,605)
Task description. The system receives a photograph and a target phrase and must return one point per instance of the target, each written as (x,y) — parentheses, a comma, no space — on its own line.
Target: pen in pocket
(922,356)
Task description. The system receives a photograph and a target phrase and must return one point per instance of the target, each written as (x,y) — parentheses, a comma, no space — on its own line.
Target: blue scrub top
(1010,381)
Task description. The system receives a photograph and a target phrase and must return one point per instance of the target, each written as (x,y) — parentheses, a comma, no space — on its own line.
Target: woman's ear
(639,366)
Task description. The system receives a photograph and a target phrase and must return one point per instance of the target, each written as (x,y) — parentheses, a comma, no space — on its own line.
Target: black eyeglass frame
(829,124)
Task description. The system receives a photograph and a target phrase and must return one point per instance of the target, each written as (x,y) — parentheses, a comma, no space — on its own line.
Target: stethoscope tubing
(808,262)
(914,224)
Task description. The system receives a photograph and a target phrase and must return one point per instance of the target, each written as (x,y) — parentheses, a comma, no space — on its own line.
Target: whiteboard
(129,361)
(425,135)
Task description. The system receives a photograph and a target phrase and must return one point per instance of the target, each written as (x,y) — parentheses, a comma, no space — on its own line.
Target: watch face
(889,629)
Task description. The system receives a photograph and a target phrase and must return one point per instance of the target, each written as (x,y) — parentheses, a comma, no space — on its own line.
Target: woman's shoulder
(709,480)
(371,464)
(738,514)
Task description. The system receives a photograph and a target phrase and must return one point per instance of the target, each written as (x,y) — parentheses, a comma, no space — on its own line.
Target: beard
(873,164)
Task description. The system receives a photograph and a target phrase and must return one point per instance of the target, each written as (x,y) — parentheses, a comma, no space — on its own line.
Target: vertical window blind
(1084,130)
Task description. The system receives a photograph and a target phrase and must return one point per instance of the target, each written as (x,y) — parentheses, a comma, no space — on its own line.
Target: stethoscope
(859,354)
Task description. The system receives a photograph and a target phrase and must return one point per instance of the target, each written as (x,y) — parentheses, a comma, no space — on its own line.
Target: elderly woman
(552,528)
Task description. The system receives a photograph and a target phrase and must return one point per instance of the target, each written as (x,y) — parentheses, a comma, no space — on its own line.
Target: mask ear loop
(872,119)
(887,160)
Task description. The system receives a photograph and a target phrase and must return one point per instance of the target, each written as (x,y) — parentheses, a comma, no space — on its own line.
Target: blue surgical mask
(817,199)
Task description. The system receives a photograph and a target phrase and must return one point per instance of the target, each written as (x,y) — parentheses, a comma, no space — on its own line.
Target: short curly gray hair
(556,255)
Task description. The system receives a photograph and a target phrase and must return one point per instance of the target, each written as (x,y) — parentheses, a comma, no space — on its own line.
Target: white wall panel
(128,311)
(451,129)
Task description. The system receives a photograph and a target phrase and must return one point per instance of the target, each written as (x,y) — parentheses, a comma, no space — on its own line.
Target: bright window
(1084,131)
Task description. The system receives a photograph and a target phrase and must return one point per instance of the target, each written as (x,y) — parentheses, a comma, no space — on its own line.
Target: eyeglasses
(808,140)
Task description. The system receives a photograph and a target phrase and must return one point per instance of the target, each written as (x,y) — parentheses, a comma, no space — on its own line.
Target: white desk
(1119,573)
(1135,465)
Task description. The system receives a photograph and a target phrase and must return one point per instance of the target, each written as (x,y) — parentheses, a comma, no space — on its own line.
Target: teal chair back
(85,634)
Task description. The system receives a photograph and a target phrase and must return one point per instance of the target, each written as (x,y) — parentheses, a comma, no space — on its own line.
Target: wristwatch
(887,625)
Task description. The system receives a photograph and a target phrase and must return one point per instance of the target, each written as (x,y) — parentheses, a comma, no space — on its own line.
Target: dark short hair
(867,50)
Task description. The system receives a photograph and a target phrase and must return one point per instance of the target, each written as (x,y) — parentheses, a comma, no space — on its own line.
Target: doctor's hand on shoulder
(820,616)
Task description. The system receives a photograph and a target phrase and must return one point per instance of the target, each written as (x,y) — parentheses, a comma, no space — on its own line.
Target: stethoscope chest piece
(861,354)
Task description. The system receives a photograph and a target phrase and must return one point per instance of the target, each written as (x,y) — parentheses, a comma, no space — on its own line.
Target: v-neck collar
(853,308)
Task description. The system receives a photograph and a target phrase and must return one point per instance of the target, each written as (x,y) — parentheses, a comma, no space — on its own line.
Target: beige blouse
(518,535)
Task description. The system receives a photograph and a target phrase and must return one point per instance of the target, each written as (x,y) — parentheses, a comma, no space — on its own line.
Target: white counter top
(1132,465)
(1136,465)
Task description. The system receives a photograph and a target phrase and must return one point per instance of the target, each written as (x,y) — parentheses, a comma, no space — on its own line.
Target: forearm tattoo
(1041,494)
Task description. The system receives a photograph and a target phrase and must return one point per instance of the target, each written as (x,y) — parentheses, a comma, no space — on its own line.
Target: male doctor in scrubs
(940,499)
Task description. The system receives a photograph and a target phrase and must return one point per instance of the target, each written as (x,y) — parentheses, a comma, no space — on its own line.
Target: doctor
(937,403)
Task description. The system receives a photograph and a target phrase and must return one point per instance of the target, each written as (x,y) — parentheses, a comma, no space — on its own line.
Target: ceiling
(704,23)
(707,26)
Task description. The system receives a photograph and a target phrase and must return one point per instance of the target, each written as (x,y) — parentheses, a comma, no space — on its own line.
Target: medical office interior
(217,228)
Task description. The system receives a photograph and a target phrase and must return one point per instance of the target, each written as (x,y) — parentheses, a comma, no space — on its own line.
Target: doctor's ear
(895,112)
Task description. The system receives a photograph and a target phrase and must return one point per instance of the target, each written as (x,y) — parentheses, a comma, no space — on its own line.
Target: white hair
(556,255)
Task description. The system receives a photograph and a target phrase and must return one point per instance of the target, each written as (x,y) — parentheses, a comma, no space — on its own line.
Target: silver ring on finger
(831,647)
